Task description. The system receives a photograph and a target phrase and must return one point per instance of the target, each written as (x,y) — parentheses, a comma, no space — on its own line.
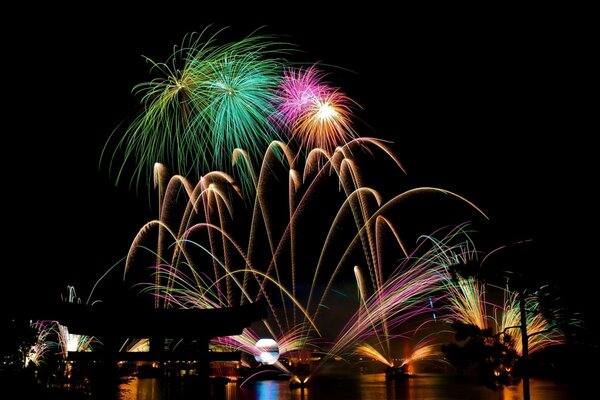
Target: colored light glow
(268,351)
(326,111)
(221,108)
(209,97)
(389,299)
(316,114)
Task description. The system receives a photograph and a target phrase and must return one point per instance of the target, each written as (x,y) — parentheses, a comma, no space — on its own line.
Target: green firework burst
(208,100)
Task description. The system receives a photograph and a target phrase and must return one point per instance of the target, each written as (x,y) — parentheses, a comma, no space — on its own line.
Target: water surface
(366,387)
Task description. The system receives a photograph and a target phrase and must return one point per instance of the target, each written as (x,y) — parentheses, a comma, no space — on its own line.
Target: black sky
(495,108)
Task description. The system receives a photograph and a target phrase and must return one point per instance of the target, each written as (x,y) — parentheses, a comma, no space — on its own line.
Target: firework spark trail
(336,163)
(467,303)
(43,344)
(341,159)
(250,270)
(208,184)
(316,114)
(72,342)
(238,106)
(422,351)
(260,210)
(366,350)
(466,296)
(222,107)
(405,294)
(136,345)
(297,207)
(425,350)
(188,298)
(296,92)
(365,310)
(541,333)
(386,207)
(54,337)
(403,297)
(209,100)
(384,307)
(158,134)
(291,341)
(166,198)
(364,229)
(215,183)
(245,342)
(185,292)
(185,295)
(192,293)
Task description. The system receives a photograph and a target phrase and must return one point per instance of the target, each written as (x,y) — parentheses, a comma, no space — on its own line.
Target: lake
(365,387)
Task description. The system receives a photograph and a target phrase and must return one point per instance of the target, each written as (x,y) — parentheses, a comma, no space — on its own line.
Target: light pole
(525,343)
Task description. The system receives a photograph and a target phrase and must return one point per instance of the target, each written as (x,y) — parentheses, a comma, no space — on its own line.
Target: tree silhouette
(492,356)
(16,339)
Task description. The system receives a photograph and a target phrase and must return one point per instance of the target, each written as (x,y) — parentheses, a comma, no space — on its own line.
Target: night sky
(492,108)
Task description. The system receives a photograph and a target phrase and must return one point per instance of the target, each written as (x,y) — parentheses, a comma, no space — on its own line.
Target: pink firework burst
(316,114)
(297,91)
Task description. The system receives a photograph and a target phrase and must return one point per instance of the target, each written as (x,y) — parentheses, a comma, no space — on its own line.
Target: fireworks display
(212,100)
(208,100)
(316,114)
(264,194)
(201,246)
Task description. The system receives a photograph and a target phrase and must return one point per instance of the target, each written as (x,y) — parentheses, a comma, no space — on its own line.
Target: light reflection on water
(366,387)
(142,389)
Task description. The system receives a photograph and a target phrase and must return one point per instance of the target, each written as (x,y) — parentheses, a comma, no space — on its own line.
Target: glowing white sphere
(268,351)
